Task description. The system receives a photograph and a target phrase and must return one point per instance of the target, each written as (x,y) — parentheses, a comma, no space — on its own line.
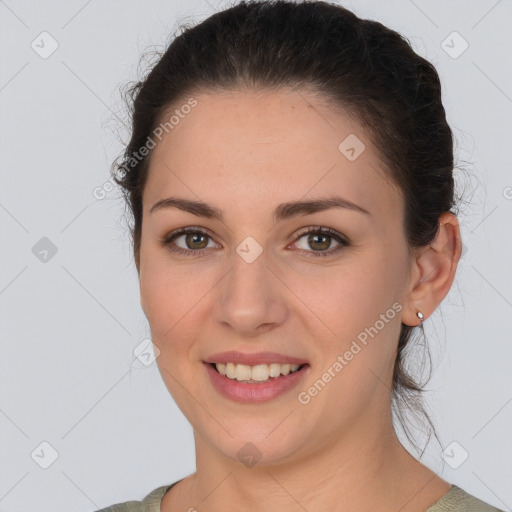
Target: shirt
(455,500)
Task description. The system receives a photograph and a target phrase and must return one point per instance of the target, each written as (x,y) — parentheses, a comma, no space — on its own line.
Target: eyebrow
(281,212)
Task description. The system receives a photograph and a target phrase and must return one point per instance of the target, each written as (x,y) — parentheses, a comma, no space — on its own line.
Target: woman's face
(257,283)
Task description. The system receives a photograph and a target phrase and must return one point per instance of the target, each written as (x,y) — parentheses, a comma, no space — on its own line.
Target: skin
(246,152)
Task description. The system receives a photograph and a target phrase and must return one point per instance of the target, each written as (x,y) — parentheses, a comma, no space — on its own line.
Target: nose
(251,299)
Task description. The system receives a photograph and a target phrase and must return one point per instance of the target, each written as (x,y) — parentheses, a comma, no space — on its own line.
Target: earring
(419,314)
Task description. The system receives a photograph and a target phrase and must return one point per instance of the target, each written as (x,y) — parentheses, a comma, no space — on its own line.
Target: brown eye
(318,240)
(195,241)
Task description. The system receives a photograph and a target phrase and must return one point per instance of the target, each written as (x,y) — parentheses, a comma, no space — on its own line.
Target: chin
(253,446)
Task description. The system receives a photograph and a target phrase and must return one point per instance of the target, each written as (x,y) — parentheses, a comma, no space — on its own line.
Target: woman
(290,175)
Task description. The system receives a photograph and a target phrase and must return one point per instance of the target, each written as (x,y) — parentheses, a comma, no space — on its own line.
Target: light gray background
(69,326)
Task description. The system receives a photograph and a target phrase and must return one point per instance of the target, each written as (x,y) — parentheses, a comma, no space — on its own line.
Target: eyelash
(168,239)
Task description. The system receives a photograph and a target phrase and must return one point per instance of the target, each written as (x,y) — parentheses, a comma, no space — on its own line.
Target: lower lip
(255,392)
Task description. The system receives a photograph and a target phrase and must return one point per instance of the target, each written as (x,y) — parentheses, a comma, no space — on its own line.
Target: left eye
(321,238)
(196,241)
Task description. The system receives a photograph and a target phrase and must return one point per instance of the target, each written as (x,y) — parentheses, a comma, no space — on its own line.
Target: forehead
(252,148)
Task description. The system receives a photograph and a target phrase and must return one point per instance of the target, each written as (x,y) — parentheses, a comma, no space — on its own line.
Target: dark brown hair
(357,65)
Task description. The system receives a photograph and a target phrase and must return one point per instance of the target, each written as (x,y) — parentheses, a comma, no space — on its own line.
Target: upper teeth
(260,372)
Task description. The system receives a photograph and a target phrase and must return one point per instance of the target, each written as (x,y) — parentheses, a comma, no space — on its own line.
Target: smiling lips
(253,391)
(258,367)
(257,373)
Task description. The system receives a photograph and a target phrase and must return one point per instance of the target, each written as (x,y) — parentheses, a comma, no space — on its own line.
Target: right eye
(194,240)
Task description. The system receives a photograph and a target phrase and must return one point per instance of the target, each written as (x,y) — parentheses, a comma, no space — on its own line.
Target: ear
(433,271)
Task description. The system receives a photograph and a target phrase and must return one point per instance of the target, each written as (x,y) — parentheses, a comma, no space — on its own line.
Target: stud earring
(419,314)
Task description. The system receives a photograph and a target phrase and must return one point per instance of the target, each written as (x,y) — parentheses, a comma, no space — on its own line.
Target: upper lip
(254,359)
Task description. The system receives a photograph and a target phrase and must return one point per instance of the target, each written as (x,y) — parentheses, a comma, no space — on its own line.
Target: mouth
(257,374)
(257,383)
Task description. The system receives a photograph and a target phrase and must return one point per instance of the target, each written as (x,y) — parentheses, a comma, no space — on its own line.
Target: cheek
(357,317)
(346,297)
(171,308)
(356,337)
(172,297)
